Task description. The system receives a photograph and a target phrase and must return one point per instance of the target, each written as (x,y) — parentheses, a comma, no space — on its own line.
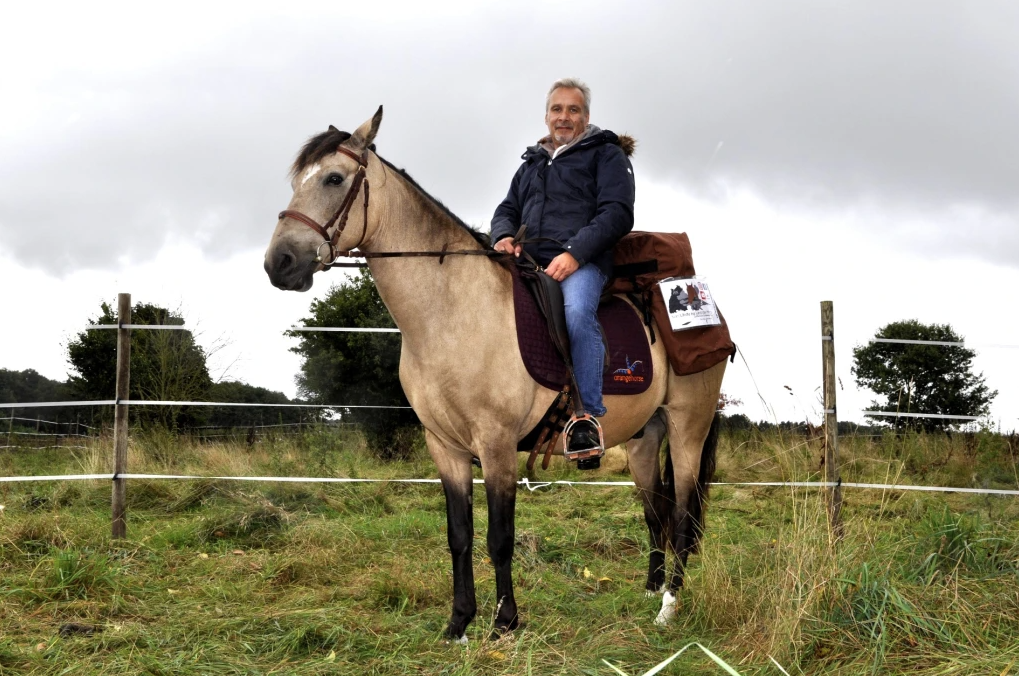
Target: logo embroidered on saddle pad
(629,373)
(630,370)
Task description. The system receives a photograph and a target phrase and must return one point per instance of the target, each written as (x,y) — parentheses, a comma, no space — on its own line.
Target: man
(575,187)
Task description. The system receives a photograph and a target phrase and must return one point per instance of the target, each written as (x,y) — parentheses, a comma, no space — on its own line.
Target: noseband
(340,217)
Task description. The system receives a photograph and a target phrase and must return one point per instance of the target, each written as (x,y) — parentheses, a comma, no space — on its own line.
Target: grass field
(239,578)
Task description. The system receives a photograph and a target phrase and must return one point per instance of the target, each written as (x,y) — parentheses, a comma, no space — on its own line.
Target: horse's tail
(699,498)
(667,494)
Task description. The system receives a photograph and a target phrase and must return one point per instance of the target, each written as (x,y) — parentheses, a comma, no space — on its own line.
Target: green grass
(239,578)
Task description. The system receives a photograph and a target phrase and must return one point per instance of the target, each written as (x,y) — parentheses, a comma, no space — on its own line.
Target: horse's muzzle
(287,272)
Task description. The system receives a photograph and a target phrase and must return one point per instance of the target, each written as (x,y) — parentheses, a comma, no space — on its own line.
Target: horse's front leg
(458,485)
(500,468)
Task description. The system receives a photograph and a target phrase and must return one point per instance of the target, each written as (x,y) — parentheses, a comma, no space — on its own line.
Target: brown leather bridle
(340,217)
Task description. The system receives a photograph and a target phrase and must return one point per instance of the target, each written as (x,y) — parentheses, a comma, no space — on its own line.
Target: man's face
(565,117)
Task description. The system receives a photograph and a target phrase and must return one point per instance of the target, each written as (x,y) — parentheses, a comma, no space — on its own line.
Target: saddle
(545,347)
(545,343)
(640,261)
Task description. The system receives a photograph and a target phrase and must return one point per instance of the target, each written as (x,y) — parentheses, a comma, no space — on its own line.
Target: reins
(339,219)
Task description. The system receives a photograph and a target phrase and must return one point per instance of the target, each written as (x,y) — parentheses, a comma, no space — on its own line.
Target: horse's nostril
(286,262)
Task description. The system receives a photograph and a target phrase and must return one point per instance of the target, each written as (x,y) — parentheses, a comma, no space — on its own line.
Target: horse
(462,370)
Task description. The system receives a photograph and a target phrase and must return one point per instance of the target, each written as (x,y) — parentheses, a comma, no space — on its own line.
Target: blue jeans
(581,291)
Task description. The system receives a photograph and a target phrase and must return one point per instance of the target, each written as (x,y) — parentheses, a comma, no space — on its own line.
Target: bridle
(340,217)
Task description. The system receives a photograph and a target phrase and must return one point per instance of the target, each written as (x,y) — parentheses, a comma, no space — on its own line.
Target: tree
(922,378)
(166,365)
(357,368)
(245,416)
(29,385)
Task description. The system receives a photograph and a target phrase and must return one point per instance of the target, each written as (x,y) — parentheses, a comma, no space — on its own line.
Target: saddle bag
(640,261)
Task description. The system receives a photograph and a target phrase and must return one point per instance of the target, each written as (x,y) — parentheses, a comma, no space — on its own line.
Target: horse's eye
(334,179)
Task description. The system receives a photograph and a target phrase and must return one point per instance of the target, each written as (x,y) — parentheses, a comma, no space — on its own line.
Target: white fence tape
(58,477)
(523,482)
(343,329)
(135,402)
(45,422)
(946,343)
(895,414)
(55,404)
(156,327)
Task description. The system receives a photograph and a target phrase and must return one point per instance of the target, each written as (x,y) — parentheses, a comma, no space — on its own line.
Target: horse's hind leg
(691,405)
(644,453)
(458,485)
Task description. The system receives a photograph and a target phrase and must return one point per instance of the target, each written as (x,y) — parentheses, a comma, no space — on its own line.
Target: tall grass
(235,577)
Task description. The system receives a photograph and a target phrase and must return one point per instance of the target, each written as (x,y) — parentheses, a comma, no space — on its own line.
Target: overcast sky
(854,151)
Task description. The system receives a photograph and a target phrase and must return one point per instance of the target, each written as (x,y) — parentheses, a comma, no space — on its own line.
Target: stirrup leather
(586,453)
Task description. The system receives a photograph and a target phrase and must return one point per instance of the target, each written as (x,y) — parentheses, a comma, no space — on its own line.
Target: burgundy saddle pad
(630,369)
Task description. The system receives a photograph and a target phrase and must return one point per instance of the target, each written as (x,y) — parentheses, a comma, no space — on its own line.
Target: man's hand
(562,266)
(506,245)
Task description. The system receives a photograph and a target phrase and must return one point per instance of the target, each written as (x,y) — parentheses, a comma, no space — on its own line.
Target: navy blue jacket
(583,199)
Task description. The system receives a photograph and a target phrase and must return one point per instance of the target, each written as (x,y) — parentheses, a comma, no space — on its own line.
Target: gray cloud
(905,111)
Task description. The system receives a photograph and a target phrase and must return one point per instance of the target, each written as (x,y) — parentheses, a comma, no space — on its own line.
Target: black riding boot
(584,437)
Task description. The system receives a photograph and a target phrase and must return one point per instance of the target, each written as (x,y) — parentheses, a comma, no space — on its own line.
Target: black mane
(322,145)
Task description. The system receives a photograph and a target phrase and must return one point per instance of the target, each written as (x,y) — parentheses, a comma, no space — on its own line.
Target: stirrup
(587,453)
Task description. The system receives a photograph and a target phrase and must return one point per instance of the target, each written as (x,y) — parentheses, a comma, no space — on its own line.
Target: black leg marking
(460,534)
(501,534)
(680,546)
(656,571)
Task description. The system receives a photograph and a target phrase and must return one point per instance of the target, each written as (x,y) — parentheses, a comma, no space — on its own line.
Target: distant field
(239,578)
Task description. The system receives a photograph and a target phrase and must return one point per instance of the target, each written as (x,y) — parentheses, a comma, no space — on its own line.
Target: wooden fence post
(120,416)
(831,421)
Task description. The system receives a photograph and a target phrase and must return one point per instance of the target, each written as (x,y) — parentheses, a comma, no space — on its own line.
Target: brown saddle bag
(640,261)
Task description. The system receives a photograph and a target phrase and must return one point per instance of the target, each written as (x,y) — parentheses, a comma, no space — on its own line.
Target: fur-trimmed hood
(593,135)
(628,144)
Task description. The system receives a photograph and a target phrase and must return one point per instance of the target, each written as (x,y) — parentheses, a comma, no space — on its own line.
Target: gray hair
(570,83)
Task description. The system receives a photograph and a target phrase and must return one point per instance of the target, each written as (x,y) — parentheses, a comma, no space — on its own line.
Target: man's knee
(580,315)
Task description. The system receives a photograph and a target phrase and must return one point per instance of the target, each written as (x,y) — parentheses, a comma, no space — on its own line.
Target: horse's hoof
(668,611)
(502,632)
(652,593)
(462,641)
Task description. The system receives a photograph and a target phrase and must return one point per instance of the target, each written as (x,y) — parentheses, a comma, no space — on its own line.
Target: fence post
(119,507)
(831,421)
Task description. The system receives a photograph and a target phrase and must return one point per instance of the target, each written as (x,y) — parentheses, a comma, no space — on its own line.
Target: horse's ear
(365,134)
(332,128)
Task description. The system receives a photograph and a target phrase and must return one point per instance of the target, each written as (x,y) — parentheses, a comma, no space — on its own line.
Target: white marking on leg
(311,172)
(460,641)
(668,611)
(651,593)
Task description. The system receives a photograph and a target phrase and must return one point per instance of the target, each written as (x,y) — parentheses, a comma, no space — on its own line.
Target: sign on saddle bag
(643,259)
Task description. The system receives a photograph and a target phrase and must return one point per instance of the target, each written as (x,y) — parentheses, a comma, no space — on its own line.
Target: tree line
(165,366)
(362,369)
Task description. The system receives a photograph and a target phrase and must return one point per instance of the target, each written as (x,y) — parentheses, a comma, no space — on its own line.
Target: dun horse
(461,367)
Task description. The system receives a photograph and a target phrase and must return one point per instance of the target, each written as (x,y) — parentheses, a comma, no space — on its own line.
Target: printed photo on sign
(689,302)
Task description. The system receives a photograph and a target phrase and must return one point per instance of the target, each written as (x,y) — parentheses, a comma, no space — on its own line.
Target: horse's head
(330,185)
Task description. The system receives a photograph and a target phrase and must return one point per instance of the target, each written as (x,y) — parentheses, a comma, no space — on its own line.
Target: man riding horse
(575,193)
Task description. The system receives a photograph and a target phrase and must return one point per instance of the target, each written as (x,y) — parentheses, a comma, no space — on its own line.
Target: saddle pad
(630,369)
